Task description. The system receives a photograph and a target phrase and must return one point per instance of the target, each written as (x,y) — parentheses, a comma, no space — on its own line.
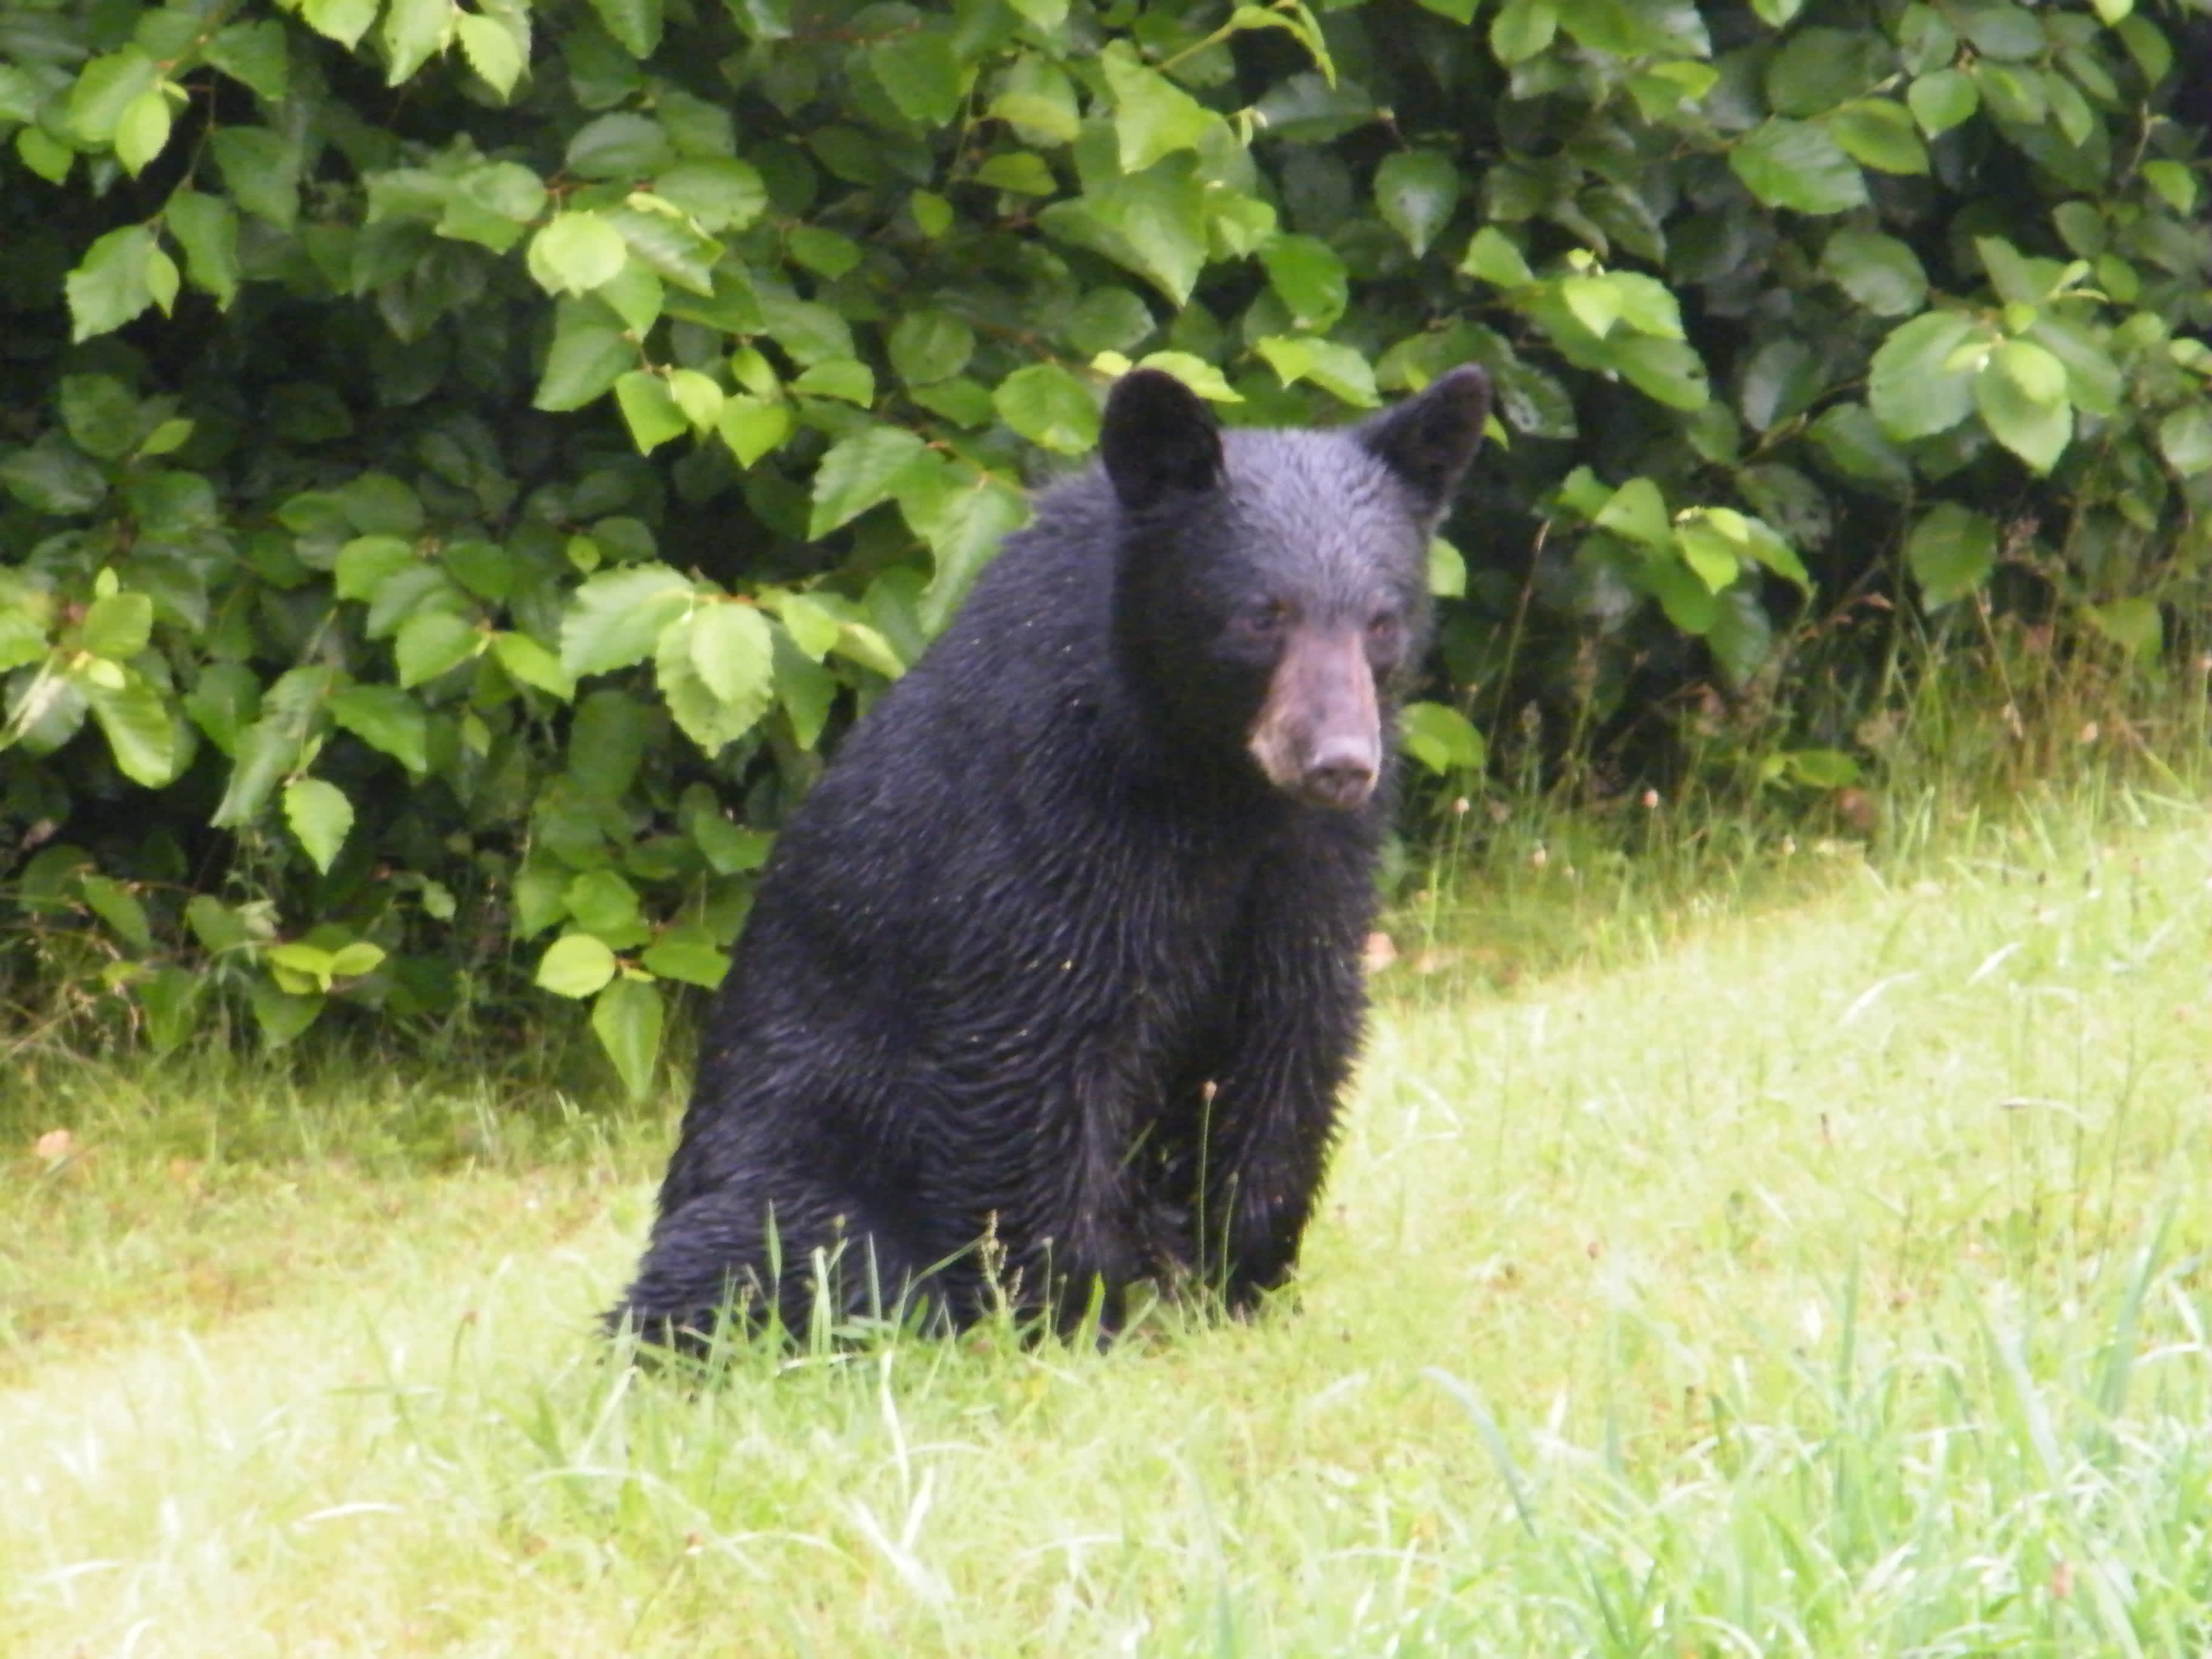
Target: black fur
(1044,960)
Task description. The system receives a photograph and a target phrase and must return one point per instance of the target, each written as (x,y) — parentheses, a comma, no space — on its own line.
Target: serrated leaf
(615,618)
(665,243)
(1417,192)
(1493,257)
(1153,223)
(414,30)
(321,817)
(1797,165)
(2184,438)
(1049,407)
(106,88)
(753,427)
(1522,29)
(114,283)
(1880,272)
(343,21)
(1950,552)
(533,665)
(628,1018)
(388,720)
(964,533)
(922,72)
(687,952)
(650,409)
(206,227)
(143,131)
(254,54)
(1638,513)
(635,23)
(2035,431)
(140,732)
(576,253)
(2041,377)
(262,171)
(118,907)
(1153,117)
(586,359)
(1944,99)
(858,472)
(1877,132)
(731,649)
(431,642)
(929,345)
(117,627)
(1914,388)
(722,192)
(575,965)
(493,51)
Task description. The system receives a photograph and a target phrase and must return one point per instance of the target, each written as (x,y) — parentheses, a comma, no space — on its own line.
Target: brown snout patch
(1319,735)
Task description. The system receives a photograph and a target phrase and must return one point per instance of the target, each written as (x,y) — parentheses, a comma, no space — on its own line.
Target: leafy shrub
(461,462)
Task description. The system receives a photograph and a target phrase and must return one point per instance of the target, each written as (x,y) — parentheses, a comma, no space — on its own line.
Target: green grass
(1768,1251)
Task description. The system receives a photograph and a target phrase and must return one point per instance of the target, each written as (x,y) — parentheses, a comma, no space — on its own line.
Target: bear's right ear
(1159,440)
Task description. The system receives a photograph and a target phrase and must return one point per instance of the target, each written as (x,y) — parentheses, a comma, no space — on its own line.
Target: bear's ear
(1157,440)
(1428,440)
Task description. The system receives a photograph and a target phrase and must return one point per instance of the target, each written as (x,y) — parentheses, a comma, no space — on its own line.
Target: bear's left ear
(1428,440)
(1157,440)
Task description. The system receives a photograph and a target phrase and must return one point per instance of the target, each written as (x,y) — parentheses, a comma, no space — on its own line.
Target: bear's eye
(1382,628)
(1264,620)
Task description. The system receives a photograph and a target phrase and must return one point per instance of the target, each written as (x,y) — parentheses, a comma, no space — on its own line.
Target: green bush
(460,464)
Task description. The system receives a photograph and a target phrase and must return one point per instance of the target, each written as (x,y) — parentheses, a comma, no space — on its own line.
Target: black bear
(1053,982)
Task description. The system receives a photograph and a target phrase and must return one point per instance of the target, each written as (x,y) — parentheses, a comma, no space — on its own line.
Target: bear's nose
(1340,775)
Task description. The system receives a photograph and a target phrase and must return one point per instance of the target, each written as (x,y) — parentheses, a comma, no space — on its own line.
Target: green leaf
(714,668)
(1049,407)
(1153,117)
(733,650)
(662,240)
(1878,133)
(636,24)
(413,30)
(2041,377)
(929,345)
(1713,557)
(587,357)
(1522,29)
(283,1016)
(1417,192)
(1638,513)
(841,378)
(106,90)
(262,171)
(1594,301)
(1880,272)
(493,50)
(964,533)
(2036,431)
(117,627)
(116,282)
(343,21)
(650,409)
(431,642)
(1670,371)
(54,476)
(860,471)
(687,952)
(387,719)
(2184,438)
(575,965)
(206,227)
(1797,165)
(922,72)
(254,54)
(2134,625)
(1019,171)
(1447,569)
(2175,184)
(1441,738)
(1337,369)
(722,192)
(1950,552)
(753,427)
(615,618)
(1852,441)
(1947,99)
(320,815)
(576,253)
(143,131)
(1493,257)
(628,1018)
(118,907)
(1915,389)
(533,665)
(140,732)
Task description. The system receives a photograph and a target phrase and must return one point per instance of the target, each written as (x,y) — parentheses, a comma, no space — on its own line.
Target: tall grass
(1737,1246)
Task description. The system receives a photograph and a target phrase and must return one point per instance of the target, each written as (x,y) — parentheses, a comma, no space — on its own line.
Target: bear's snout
(1319,734)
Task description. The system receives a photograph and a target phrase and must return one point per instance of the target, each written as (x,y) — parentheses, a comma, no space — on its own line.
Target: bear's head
(1271,597)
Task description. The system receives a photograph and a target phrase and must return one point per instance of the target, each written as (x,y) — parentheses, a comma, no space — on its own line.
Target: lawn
(1713,1275)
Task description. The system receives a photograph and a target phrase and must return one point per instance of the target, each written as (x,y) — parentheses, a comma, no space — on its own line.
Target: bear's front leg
(1271,1121)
